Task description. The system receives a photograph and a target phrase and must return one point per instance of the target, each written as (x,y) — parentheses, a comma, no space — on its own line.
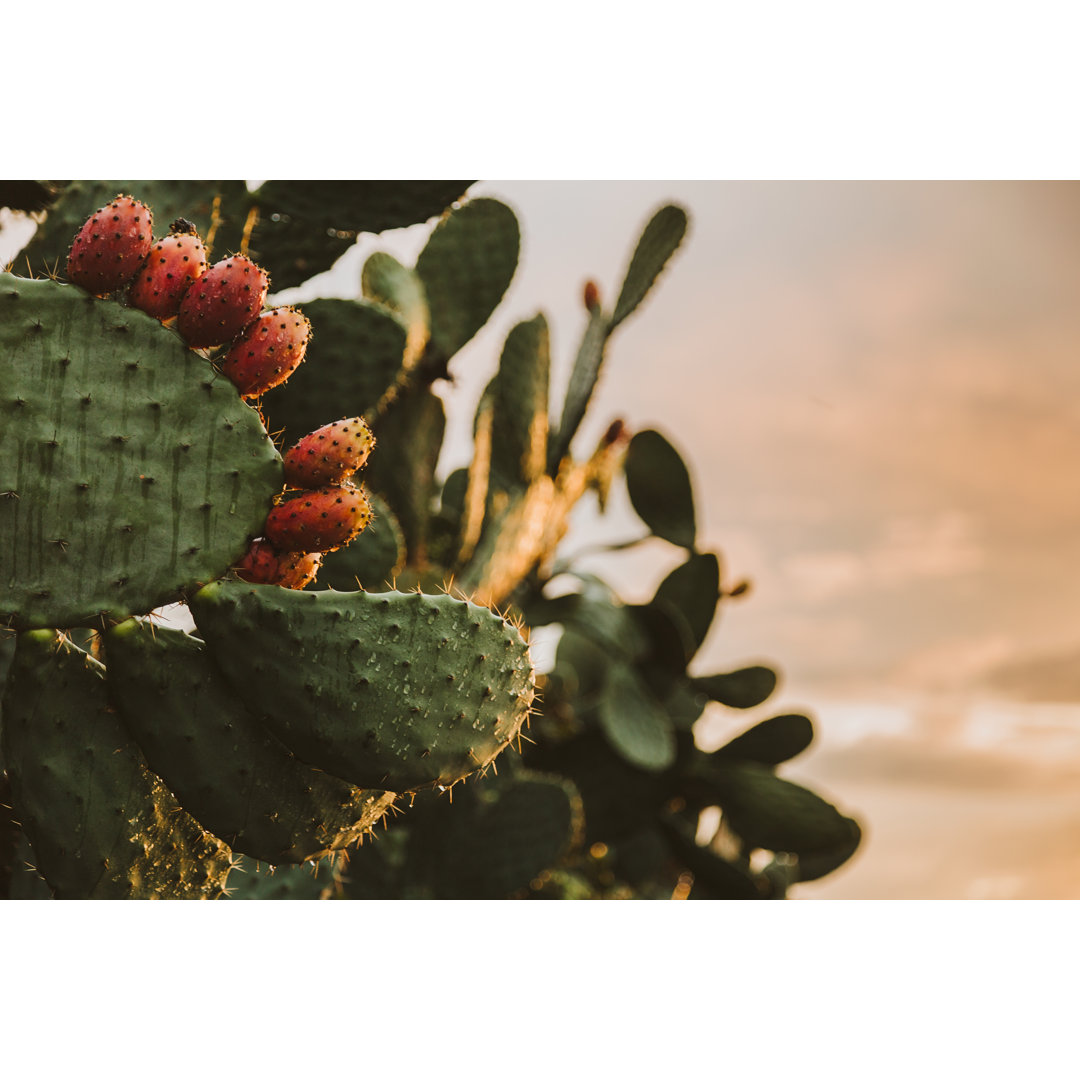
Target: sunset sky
(877,389)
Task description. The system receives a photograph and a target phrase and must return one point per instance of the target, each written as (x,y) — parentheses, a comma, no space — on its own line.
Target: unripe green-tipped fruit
(264,564)
(225,301)
(267,352)
(320,520)
(108,250)
(173,264)
(329,455)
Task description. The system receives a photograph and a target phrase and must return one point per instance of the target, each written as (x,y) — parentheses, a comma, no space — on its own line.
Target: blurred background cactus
(604,794)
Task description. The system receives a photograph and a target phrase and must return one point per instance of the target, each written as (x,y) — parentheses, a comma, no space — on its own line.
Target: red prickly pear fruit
(167,272)
(108,250)
(265,565)
(321,520)
(591,296)
(223,302)
(330,455)
(267,352)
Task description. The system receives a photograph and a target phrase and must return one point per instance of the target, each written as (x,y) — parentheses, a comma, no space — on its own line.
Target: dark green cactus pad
(634,722)
(768,812)
(396,691)
(715,878)
(199,201)
(663,234)
(619,799)
(771,742)
(354,357)
(402,467)
(234,777)
(385,281)
(128,471)
(102,826)
(466,268)
(519,394)
(583,379)
(250,880)
(742,689)
(688,596)
(372,560)
(304,226)
(658,483)
(497,837)
(25,883)
(815,865)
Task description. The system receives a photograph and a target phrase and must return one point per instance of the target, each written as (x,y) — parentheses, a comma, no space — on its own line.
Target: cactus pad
(226,770)
(339,678)
(128,471)
(101,825)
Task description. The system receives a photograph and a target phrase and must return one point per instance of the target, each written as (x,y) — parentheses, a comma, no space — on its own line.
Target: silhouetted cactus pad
(128,471)
(659,486)
(742,689)
(771,742)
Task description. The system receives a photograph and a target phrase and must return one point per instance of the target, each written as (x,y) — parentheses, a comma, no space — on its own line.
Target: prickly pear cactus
(136,471)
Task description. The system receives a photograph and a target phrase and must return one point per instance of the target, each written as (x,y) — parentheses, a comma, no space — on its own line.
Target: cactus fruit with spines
(109,249)
(167,272)
(313,696)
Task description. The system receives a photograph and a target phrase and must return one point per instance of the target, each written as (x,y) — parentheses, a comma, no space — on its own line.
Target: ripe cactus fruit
(167,272)
(263,564)
(108,250)
(268,351)
(224,302)
(320,520)
(329,455)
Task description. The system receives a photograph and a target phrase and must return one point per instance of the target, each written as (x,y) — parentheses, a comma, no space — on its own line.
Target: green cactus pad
(498,836)
(102,826)
(396,691)
(771,742)
(814,865)
(402,467)
(663,234)
(635,724)
(583,378)
(520,397)
(234,777)
(768,812)
(305,225)
(372,560)
(742,689)
(385,281)
(356,352)
(688,596)
(129,472)
(466,267)
(251,880)
(658,483)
